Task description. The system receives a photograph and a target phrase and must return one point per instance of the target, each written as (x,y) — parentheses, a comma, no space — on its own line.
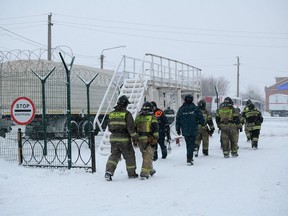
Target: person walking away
(123,131)
(245,110)
(228,121)
(188,118)
(253,120)
(238,111)
(164,131)
(204,131)
(148,131)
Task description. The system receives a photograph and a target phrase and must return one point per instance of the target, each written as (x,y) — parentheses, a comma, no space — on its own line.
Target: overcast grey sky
(208,34)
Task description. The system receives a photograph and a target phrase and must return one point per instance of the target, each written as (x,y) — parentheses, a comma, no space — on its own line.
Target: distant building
(277,95)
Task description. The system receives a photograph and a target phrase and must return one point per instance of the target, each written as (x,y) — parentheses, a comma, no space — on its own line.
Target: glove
(240,129)
(152,140)
(211,131)
(135,140)
(168,137)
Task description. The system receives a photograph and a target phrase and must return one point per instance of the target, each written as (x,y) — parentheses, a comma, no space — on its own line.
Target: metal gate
(61,132)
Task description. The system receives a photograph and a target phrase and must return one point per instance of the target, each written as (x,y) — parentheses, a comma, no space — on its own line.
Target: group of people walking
(193,122)
(149,128)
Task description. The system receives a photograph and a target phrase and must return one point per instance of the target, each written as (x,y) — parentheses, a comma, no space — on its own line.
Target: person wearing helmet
(253,120)
(228,101)
(123,131)
(246,129)
(164,130)
(148,131)
(228,122)
(248,102)
(204,131)
(188,118)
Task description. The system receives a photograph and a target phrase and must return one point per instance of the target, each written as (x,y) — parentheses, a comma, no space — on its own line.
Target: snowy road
(255,183)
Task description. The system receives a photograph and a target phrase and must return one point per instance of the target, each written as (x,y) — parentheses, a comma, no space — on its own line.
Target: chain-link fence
(66,98)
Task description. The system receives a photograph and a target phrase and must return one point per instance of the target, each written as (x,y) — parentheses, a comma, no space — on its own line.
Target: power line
(162,31)
(176,27)
(182,40)
(22,17)
(22,37)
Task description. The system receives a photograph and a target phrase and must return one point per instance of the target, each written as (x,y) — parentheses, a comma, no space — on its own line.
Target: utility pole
(238,63)
(102,54)
(49,36)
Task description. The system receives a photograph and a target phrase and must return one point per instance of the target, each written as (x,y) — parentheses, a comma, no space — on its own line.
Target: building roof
(281,84)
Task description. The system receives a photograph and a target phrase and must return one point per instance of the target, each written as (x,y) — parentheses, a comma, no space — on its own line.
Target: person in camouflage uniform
(148,131)
(204,131)
(228,122)
(122,127)
(188,118)
(164,131)
(253,120)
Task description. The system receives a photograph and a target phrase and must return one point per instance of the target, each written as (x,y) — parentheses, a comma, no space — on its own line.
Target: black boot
(108,176)
(155,157)
(189,160)
(133,175)
(152,172)
(196,150)
(164,153)
(205,152)
(255,145)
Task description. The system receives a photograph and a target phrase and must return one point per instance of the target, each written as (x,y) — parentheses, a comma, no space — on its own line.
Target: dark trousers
(190,145)
(161,142)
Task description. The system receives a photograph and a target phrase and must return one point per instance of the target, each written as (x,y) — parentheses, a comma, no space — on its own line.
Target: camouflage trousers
(229,139)
(127,150)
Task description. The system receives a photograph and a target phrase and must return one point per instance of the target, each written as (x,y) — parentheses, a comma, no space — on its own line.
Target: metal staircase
(139,79)
(123,82)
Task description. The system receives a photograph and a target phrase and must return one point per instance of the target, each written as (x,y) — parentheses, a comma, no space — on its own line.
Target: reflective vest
(226,115)
(144,128)
(117,122)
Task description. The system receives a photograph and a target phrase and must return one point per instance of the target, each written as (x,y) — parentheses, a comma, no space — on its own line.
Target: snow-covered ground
(255,183)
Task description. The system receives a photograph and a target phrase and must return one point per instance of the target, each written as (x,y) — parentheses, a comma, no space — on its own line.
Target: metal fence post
(43,81)
(93,155)
(20,156)
(68,83)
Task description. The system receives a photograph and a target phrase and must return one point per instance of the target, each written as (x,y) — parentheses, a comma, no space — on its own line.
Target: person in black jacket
(164,130)
(188,118)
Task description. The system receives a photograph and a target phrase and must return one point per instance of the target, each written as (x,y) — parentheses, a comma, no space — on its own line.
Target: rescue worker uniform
(204,131)
(164,131)
(246,108)
(253,120)
(188,118)
(122,127)
(228,122)
(237,109)
(147,129)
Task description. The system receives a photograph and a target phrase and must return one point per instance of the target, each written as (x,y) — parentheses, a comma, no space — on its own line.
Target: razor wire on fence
(27,73)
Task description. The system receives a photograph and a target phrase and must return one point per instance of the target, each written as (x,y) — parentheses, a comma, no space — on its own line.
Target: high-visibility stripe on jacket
(144,125)
(117,122)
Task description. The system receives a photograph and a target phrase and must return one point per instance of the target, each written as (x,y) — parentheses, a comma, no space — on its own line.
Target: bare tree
(209,84)
(252,93)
